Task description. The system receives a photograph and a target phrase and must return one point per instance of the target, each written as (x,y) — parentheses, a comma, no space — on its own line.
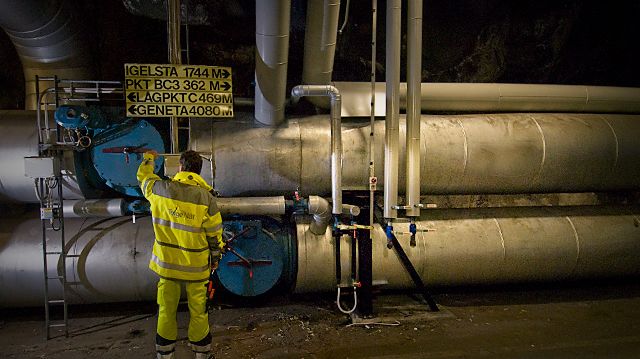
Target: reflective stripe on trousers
(168,298)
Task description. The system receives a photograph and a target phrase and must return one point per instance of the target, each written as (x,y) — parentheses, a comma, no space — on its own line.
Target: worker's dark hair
(191,161)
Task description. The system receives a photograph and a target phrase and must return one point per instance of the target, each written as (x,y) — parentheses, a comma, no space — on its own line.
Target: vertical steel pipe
(174,54)
(392,128)
(336,136)
(414,79)
(372,114)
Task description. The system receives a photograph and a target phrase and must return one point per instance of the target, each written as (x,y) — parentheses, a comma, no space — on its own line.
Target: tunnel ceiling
(568,42)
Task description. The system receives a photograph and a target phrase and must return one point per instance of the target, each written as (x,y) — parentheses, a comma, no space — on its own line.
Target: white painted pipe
(494,97)
(414,79)
(392,130)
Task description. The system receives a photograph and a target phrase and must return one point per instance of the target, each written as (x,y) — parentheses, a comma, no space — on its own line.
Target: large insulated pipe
(20,140)
(111,264)
(470,154)
(48,36)
(414,79)
(492,97)
(336,136)
(272,52)
(490,246)
(320,44)
(392,129)
(481,246)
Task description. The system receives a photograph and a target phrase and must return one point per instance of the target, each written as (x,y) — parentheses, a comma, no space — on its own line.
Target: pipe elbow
(321,211)
(316,90)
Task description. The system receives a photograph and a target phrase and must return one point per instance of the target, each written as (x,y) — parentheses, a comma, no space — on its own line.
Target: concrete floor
(587,320)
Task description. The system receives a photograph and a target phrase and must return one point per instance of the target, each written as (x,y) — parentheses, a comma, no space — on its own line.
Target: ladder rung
(56,301)
(57,325)
(52,253)
(72,255)
(56,277)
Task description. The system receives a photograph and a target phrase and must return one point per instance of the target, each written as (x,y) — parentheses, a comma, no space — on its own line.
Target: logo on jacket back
(178,213)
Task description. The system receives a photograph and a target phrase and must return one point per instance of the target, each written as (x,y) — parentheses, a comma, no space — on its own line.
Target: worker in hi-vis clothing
(188,230)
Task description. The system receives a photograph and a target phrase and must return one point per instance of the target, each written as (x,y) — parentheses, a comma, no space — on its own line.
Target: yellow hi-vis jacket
(186,222)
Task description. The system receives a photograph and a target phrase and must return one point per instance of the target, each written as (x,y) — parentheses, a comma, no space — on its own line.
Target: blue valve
(389,232)
(413,229)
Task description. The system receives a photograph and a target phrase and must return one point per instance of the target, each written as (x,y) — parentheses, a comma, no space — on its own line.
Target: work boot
(208,355)
(165,348)
(202,348)
(165,355)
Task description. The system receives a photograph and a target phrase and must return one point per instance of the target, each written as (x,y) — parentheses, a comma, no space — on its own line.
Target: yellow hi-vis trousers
(168,298)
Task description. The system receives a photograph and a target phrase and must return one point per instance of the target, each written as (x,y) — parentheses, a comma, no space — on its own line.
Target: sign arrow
(132,110)
(132,97)
(226,86)
(225,74)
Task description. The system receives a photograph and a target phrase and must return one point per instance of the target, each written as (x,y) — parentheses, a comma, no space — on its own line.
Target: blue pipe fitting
(389,232)
(413,229)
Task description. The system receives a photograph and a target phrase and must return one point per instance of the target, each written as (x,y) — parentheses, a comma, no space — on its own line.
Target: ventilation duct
(272,51)
(49,39)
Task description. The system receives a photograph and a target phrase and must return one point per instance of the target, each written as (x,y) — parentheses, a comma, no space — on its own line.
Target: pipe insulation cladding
(479,246)
(488,246)
(50,38)
(470,154)
(20,140)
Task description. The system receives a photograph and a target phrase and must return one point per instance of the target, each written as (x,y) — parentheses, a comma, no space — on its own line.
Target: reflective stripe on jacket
(186,222)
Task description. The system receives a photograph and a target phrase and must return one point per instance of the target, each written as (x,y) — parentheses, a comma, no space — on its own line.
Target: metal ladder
(52,219)
(51,214)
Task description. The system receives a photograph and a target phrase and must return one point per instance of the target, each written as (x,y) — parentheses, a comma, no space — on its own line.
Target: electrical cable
(346,17)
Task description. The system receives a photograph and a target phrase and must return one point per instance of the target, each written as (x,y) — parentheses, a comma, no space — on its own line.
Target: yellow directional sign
(175,84)
(164,110)
(178,97)
(177,71)
(161,90)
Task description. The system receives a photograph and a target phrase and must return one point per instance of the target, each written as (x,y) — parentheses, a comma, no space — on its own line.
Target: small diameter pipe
(392,129)
(175,57)
(372,171)
(336,136)
(252,205)
(93,208)
(414,79)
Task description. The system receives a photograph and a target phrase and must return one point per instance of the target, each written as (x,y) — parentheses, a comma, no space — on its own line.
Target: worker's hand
(153,153)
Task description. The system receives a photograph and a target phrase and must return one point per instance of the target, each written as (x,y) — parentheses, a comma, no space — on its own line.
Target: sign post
(156,90)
